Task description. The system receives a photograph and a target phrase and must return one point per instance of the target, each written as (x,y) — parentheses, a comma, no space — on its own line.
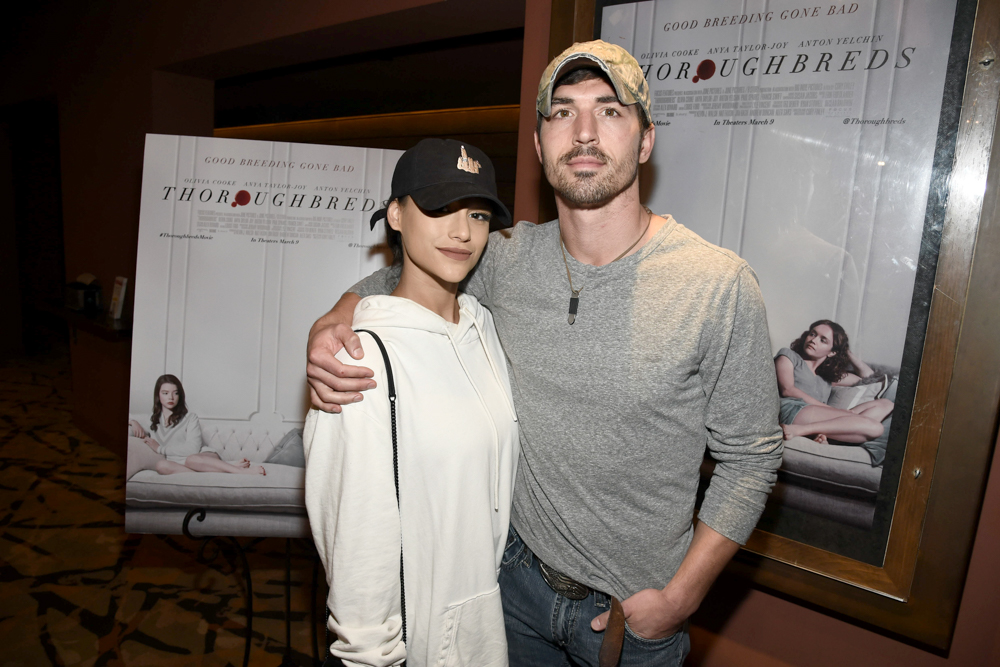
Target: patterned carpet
(76,590)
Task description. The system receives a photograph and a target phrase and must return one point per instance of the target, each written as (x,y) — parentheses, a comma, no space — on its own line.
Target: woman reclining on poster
(175,434)
(819,360)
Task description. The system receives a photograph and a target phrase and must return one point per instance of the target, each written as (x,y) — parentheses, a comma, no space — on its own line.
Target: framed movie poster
(829,146)
(242,245)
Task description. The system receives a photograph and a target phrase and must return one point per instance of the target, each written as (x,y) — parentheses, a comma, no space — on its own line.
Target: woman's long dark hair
(179,410)
(833,368)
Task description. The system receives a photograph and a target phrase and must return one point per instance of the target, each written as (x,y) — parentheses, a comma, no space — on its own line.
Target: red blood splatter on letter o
(706,70)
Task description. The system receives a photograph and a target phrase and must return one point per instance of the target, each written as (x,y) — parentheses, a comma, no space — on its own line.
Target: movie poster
(803,138)
(242,245)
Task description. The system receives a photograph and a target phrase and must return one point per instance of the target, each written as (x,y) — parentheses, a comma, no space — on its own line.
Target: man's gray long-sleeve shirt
(669,355)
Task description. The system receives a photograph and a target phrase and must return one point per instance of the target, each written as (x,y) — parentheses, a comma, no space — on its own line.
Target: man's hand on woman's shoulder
(331,382)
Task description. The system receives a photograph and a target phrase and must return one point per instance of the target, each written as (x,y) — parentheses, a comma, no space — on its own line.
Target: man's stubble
(590,189)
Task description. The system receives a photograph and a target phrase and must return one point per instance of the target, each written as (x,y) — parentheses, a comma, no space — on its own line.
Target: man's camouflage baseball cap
(623,70)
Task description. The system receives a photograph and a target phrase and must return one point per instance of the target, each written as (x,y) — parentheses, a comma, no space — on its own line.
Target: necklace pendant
(574,303)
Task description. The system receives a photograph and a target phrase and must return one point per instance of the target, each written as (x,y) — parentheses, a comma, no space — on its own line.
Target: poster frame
(917,591)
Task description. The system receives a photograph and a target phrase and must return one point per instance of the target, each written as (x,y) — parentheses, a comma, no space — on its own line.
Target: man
(633,345)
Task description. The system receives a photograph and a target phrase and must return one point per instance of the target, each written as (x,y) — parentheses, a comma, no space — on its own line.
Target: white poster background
(227,285)
(819,179)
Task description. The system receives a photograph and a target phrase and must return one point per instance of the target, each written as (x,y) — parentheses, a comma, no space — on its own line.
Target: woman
(457,438)
(818,361)
(175,434)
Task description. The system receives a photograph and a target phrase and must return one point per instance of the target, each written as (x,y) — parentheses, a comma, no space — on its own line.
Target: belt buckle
(562,584)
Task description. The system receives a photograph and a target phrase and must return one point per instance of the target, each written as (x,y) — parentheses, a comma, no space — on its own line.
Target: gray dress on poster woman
(805,380)
(820,359)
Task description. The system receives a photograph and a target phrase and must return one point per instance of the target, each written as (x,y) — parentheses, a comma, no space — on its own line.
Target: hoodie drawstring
(496,433)
(496,373)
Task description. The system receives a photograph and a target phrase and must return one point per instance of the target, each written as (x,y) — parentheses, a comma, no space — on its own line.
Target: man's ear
(393,214)
(538,147)
(646,144)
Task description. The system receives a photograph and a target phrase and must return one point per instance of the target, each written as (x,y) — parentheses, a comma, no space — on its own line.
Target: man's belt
(562,584)
(614,634)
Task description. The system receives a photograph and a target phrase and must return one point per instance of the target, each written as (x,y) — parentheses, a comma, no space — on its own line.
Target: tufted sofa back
(238,439)
(242,441)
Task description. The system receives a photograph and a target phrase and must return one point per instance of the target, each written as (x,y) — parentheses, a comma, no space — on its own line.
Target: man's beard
(588,188)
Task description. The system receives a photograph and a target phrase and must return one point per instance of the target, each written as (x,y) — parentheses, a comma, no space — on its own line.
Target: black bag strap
(395,479)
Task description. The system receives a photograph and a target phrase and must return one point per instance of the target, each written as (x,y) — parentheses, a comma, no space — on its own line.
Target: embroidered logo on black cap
(465,163)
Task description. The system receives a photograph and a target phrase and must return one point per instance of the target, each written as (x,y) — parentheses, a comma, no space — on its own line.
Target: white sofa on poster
(236,505)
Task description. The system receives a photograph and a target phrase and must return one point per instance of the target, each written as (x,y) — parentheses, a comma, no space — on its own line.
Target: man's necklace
(574,301)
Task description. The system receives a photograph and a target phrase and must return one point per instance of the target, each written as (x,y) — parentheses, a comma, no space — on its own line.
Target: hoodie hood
(397,312)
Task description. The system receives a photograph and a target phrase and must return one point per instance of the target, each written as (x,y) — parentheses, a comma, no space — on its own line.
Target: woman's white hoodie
(458,450)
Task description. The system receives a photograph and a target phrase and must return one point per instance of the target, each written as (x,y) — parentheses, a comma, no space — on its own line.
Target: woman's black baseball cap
(437,172)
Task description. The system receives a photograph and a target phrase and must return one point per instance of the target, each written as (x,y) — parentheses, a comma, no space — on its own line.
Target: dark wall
(470,71)
(481,70)
(11,342)
(34,263)
(34,147)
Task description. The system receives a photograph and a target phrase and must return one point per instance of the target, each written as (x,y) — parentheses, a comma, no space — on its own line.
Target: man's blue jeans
(545,629)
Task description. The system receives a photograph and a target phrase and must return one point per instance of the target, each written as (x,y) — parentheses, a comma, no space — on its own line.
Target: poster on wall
(242,245)
(805,139)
